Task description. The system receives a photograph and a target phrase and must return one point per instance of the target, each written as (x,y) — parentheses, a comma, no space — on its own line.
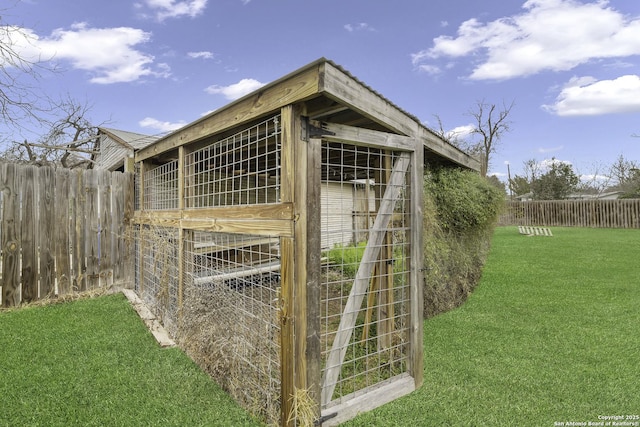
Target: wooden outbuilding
(291,220)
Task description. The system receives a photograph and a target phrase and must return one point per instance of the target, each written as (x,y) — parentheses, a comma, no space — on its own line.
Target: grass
(550,335)
(93,363)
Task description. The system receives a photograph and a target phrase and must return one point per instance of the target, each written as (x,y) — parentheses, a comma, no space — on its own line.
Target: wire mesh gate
(318,298)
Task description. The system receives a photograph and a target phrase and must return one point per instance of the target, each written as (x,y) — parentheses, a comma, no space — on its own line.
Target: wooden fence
(574,213)
(62,231)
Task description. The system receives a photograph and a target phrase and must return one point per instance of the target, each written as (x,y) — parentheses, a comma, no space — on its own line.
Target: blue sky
(572,68)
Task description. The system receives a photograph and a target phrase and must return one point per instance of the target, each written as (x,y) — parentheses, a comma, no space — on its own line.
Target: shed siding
(112,153)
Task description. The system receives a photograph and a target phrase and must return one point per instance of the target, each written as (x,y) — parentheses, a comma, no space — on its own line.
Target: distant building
(117,148)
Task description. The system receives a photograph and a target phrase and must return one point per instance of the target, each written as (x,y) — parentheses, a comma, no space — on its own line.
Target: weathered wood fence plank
(621,213)
(10,236)
(61,231)
(29,264)
(46,191)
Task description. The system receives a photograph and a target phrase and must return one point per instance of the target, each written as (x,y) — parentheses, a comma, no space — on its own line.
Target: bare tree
(71,141)
(491,123)
(19,73)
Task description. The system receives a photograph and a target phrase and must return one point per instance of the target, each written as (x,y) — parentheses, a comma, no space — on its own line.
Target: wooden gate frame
(300,333)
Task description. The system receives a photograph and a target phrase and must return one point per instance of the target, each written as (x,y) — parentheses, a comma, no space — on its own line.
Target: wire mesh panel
(365,274)
(241,169)
(230,322)
(161,187)
(158,272)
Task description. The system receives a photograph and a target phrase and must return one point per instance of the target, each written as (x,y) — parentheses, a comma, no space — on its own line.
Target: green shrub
(460,212)
(348,257)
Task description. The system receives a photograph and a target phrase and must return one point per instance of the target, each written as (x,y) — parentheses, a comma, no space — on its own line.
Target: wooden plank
(75,273)
(92,229)
(365,137)
(336,356)
(10,236)
(298,86)
(61,232)
(118,250)
(28,233)
(341,87)
(368,399)
(275,228)
(268,211)
(46,223)
(80,233)
(105,230)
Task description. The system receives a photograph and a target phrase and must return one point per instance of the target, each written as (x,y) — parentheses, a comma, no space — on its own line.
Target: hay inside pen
(279,239)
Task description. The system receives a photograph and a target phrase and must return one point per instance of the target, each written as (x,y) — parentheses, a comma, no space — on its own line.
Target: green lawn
(93,363)
(551,335)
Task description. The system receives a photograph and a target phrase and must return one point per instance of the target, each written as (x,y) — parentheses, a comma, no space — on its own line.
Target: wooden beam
(365,137)
(266,211)
(274,228)
(368,399)
(436,145)
(377,234)
(293,88)
(339,85)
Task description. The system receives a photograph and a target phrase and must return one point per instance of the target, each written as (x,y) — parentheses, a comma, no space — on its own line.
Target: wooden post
(313,353)
(300,256)
(141,232)
(128,238)
(181,230)
(415,367)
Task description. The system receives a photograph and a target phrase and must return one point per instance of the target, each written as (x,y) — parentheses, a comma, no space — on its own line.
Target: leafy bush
(348,257)
(460,211)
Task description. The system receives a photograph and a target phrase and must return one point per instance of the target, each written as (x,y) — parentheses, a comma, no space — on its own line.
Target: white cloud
(202,54)
(553,35)
(430,69)
(586,96)
(164,9)
(110,54)
(545,150)
(460,133)
(150,122)
(235,90)
(545,165)
(360,26)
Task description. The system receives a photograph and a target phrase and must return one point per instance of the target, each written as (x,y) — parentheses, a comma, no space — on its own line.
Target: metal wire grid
(241,169)
(353,186)
(161,187)
(159,272)
(236,280)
